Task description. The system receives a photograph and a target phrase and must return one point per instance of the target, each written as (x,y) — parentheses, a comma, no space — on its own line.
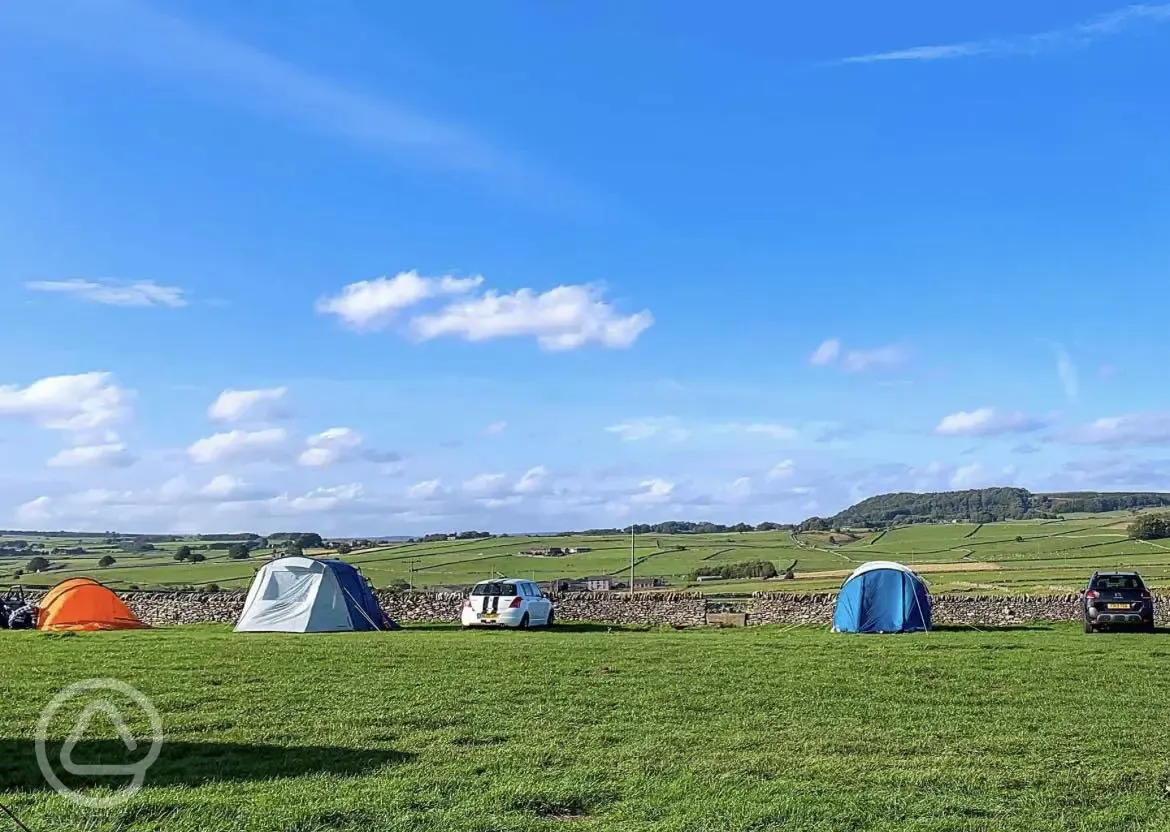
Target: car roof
(1115,574)
(503,581)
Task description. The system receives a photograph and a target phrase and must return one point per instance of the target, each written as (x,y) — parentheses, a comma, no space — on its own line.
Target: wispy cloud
(1079,34)
(831,352)
(858,361)
(1066,371)
(986,421)
(1146,428)
(113,293)
(140,35)
(826,353)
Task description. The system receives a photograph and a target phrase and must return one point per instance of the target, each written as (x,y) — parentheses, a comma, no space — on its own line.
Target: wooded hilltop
(982,505)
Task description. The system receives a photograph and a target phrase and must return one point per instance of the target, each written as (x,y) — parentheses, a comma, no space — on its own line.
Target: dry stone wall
(655,609)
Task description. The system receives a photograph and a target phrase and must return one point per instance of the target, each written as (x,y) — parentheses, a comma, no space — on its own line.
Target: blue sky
(378,269)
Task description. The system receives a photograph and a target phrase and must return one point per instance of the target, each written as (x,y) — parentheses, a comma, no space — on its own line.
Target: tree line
(981,505)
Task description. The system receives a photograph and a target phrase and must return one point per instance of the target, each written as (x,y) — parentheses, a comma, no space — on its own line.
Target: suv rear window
(1117,582)
(494,588)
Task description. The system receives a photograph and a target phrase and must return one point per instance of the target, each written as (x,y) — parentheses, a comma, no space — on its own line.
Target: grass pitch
(593,728)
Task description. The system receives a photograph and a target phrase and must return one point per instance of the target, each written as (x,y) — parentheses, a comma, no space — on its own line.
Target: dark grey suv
(1117,598)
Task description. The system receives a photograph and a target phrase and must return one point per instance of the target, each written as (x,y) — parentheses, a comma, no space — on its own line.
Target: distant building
(576,550)
(551,552)
(647,583)
(598,583)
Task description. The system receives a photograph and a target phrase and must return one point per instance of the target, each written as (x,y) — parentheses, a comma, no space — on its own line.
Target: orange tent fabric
(84,604)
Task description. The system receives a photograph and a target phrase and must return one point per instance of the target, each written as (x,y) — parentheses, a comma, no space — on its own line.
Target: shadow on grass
(990,628)
(559,627)
(185,763)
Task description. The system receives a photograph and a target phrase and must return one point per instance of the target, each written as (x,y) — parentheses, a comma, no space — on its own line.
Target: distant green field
(599,729)
(1010,557)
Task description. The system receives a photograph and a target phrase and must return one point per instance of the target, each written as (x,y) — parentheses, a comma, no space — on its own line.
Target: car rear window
(494,588)
(1117,582)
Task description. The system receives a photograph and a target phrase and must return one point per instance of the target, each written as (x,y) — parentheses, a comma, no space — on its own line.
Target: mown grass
(595,728)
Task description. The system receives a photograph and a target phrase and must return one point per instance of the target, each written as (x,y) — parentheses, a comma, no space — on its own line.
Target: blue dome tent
(882,597)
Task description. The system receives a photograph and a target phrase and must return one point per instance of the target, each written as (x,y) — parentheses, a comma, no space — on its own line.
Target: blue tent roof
(882,597)
(363,607)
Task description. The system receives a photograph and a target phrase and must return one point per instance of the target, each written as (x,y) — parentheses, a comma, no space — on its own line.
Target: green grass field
(588,728)
(1011,557)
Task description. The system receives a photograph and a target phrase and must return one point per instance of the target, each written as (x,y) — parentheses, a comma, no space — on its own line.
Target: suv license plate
(1117,606)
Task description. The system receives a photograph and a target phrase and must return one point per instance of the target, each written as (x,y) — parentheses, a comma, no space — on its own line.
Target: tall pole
(631,559)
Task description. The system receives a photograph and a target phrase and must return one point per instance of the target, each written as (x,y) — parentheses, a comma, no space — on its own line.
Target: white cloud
(331,446)
(654,491)
(113,293)
(782,470)
(369,304)
(856,361)
(501,502)
(495,428)
(425,490)
(826,353)
(485,485)
(986,421)
(1149,428)
(532,481)
(320,499)
(635,430)
(776,431)
(969,476)
(238,445)
(976,475)
(81,402)
(1080,34)
(671,428)
(740,489)
(35,511)
(564,318)
(110,455)
(226,487)
(236,405)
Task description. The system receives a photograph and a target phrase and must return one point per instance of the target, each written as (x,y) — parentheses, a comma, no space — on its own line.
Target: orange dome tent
(84,604)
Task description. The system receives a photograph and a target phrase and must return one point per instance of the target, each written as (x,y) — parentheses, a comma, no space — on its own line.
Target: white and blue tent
(310,595)
(882,597)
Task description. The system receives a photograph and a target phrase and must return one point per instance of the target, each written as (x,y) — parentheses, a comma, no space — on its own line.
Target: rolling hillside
(1004,557)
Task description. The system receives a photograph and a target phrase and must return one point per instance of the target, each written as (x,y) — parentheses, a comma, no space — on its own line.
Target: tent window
(281,583)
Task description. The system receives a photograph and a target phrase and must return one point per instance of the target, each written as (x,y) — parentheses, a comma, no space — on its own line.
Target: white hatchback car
(507,602)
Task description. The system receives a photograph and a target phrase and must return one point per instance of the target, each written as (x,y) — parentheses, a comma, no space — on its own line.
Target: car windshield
(1117,582)
(494,588)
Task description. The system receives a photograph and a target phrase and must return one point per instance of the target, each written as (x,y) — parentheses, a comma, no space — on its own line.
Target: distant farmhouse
(554,551)
(597,583)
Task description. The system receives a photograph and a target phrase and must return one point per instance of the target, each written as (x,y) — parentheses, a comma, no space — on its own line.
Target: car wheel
(549,621)
(1147,626)
(1088,626)
(523,622)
